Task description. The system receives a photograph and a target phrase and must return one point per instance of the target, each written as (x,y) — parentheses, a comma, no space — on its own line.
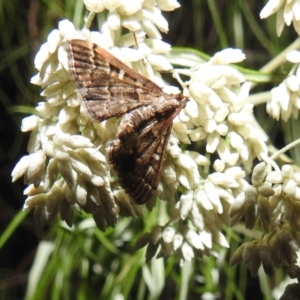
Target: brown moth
(108,89)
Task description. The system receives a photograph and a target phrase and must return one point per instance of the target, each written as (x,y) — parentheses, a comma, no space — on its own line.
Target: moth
(109,88)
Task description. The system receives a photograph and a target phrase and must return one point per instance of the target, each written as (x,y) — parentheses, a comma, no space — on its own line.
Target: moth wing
(138,152)
(139,171)
(107,86)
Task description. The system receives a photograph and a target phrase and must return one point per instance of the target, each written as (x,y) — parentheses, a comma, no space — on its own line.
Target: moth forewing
(108,87)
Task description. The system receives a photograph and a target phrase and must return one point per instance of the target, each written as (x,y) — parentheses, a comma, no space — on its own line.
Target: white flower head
(287,11)
(285,100)
(220,95)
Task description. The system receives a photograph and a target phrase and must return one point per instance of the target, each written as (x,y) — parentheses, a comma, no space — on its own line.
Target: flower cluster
(273,198)
(273,250)
(285,99)
(222,111)
(66,166)
(287,11)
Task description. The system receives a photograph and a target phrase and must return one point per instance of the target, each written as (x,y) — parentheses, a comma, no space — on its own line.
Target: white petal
(186,203)
(42,56)
(219,165)
(236,140)
(191,169)
(61,138)
(81,193)
(270,8)
(213,196)
(296,177)
(30,123)
(226,180)
(210,126)
(192,108)
(32,201)
(159,62)
(178,240)
(95,6)
(222,129)
(36,79)
(292,83)
(36,167)
(212,142)
(20,168)
(93,155)
(206,238)
(293,56)
(168,234)
(289,188)
(194,239)
(199,159)
(279,21)
(167,5)
(46,110)
(221,240)
(221,114)
(53,39)
(228,56)
(287,171)
(175,151)
(187,252)
(80,165)
(288,14)
(131,55)
(296,10)
(197,217)
(197,134)
(296,25)
(62,156)
(67,114)
(131,24)
(100,39)
(203,200)
(108,35)
(114,20)
(151,30)
(130,7)
(112,4)
(158,46)
(96,180)
(67,29)
(78,141)
(169,173)
(239,119)
(183,179)
(155,17)
(34,143)
(237,205)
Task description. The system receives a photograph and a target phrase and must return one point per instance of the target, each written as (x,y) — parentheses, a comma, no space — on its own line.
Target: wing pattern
(109,88)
